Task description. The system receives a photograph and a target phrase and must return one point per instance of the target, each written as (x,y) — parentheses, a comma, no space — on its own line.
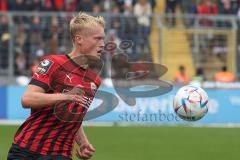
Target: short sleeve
(44,73)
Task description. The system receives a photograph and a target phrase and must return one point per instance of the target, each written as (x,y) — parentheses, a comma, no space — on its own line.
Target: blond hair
(84,21)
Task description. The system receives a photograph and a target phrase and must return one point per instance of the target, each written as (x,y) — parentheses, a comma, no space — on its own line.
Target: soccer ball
(190,103)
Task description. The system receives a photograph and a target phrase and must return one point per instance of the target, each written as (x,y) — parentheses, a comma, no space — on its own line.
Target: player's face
(93,42)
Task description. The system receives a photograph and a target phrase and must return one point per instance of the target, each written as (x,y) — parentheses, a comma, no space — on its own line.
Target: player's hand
(76,94)
(86,151)
(79,90)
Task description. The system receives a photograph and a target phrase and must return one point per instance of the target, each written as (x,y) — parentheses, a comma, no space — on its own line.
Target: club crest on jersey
(93,87)
(44,66)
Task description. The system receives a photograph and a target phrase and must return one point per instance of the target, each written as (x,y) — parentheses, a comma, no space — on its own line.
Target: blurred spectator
(35,5)
(170,11)
(238,13)
(35,35)
(55,30)
(143,11)
(85,5)
(40,52)
(4,40)
(70,5)
(151,2)
(228,6)
(189,7)
(96,9)
(225,7)
(59,4)
(20,64)
(116,22)
(181,76)
(107,5)
(3,6)
(21,37)
(4,27)
(48,5)
(198,78)
(130,33)
(19,50)
(19,5)
(224,76)
(199,75)
(120,4)
(128,7)
(207,7)
(220,49)
(115,9)
(34,65)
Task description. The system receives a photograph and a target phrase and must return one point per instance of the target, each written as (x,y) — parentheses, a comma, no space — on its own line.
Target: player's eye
(100,38)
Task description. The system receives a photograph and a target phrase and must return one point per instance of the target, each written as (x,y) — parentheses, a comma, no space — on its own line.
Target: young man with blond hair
(57,107)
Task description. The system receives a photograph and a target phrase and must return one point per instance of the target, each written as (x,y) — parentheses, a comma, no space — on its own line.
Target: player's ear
(78,39)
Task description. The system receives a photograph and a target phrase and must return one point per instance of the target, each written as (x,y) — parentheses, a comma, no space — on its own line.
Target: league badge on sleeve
(44,66)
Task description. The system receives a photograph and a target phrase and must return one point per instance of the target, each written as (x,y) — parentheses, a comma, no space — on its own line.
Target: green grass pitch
(153,143)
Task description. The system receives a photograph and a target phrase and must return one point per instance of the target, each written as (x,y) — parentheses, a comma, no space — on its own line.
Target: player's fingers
(87,154)
(80,155)
(91,148)
(76,90)
(79,98)
(76,98)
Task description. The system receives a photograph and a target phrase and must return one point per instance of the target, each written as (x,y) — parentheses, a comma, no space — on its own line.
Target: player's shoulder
(58,59)
(50,63)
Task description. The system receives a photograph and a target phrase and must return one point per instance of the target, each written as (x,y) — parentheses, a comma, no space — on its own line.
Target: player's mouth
(99,52)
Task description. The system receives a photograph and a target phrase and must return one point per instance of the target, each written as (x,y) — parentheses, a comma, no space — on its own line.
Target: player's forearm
(81,136)
(37,100)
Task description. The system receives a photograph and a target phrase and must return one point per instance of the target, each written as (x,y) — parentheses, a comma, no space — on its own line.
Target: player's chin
(97,56)
(94,57)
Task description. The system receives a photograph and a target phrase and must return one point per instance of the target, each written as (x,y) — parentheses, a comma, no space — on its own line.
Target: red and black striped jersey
(51,130)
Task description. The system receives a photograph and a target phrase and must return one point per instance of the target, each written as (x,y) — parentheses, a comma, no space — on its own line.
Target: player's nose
(102,44)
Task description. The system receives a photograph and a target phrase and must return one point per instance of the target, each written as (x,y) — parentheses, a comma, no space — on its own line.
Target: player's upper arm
(41,82)
(33,88)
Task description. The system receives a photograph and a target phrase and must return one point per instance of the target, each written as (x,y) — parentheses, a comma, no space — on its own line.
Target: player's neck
(78,58)
(75,53)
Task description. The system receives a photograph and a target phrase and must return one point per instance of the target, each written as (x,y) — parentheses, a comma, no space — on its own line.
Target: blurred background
(197,40)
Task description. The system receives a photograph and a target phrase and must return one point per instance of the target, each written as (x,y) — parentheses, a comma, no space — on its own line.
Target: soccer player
(59,95)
